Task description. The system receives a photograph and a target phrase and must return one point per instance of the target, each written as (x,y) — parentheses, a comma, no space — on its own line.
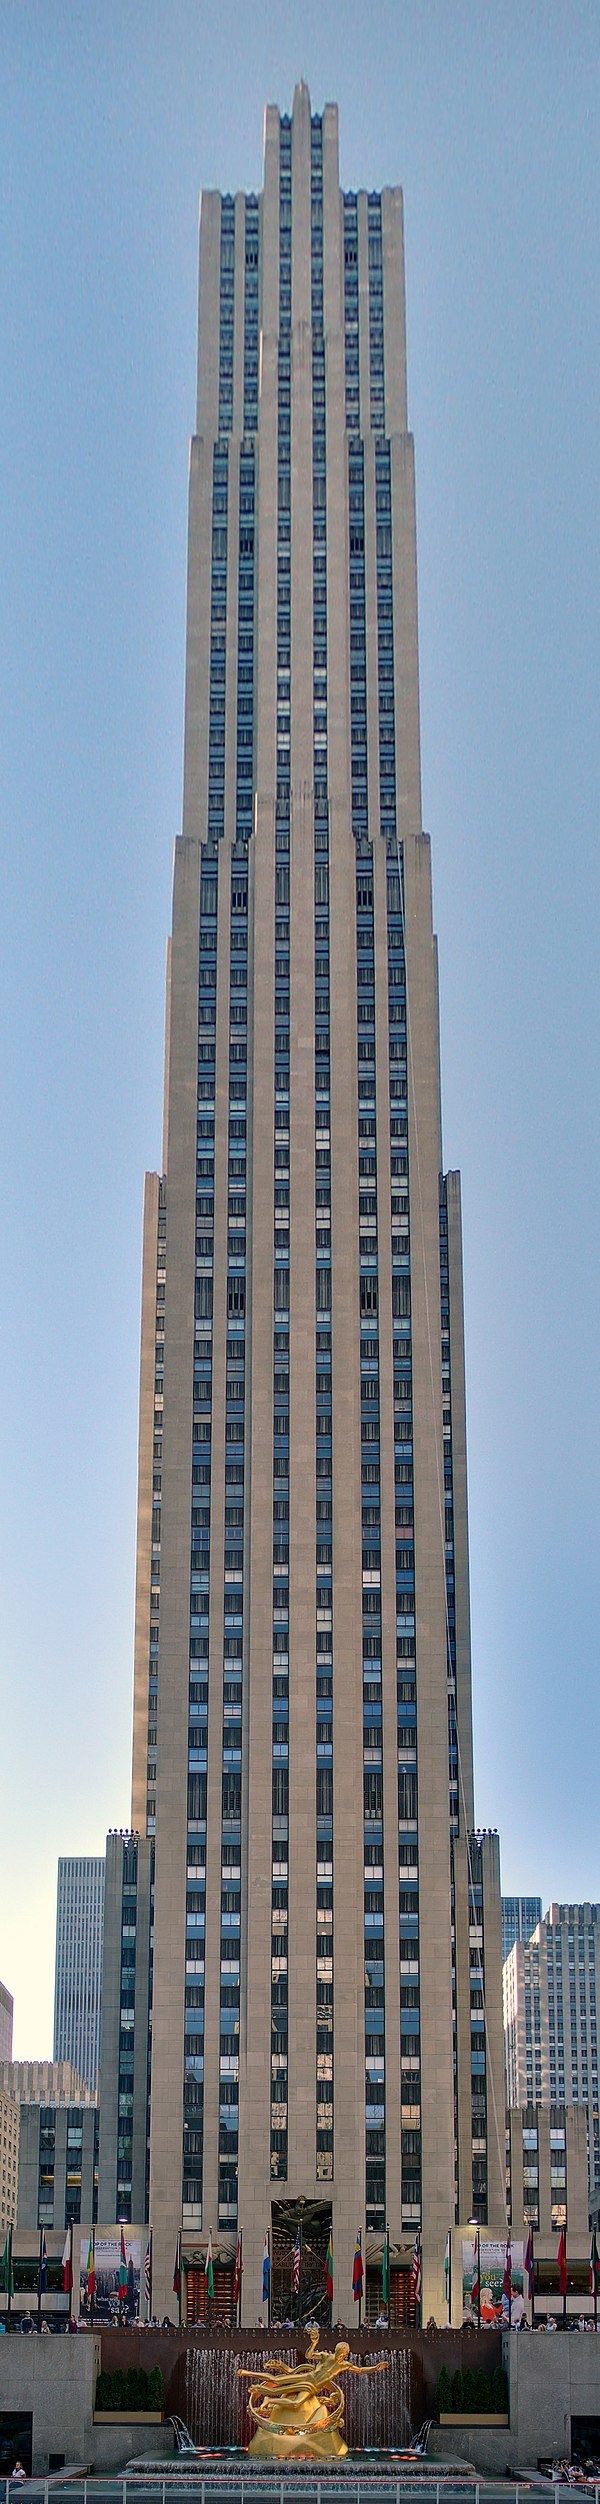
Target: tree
(444,2394)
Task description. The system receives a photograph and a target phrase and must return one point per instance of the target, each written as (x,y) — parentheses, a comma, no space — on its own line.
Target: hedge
(471,2394)
(130,2393)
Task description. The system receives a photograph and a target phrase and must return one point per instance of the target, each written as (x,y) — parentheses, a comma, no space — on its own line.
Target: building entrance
(16,2440)
(310,2220)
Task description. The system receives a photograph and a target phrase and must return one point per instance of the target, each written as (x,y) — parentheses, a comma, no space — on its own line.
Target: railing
(263,2487)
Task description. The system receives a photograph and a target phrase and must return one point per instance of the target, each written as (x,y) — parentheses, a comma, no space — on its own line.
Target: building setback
(302,1757)
(78,1964)
(44,2082)
(58,2165)
(547,2172)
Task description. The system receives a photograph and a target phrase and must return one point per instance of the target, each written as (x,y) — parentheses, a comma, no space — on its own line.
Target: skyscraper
(551,1996)
(302,1722)
(520,1915)
(6,2023)
(78,1964)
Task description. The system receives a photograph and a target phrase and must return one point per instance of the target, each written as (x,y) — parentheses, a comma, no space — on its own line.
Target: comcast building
(309,1973)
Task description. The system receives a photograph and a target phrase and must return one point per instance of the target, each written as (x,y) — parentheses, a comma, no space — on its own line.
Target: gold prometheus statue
(298,2410)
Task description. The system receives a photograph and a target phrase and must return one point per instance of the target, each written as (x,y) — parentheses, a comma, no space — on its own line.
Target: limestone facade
(302,1717)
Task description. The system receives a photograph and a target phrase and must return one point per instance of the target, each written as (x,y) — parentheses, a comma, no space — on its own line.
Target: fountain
(214,2401)
(298,2410)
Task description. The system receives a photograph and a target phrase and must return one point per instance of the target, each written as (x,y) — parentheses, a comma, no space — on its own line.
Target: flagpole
(71,2268)
(565,2292)
(450,2277)
(93,2293)
(300,2274)
(359,2241)
(39,2306)
(269,2285)
(478,2282)
(10,2273)
(179,2272)
(239,2301)
(150,2302)
(595,2279)
(386,2269)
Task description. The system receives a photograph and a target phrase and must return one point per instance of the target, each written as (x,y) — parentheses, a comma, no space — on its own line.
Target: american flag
(296,2264)
(416,2277)
(147,2272)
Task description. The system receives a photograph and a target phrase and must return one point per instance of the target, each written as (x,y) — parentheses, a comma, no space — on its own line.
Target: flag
(7,2267)
(447,2268)
(296,2263)
(594,2266)
(507,2282)
(237,2274)
(67,2266)
(357,2273)
(177,2269)
(329,2267)
(529,2264)
(266,2278)
(562,2263)
(122,2287)
(208,2270)
(91,2270)
(385,2273)
(416,2275)
(475,2285)
(147,2274)
(43,2265)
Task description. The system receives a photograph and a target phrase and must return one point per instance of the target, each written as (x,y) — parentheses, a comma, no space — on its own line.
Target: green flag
(385,2273)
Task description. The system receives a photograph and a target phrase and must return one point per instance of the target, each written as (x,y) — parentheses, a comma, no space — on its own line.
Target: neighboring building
(6,2023)
(124,2069)
(58,2165)
(302,1716)
(547,2170)
(78,1966)
(44,2082)
(551,1996)
(520,1915)
(9,2159)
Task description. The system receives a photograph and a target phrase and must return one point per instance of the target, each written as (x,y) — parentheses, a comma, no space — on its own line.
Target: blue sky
(111,118)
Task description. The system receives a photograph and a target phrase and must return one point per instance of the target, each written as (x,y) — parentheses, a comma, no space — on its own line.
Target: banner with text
(111,2302)
(493,2307)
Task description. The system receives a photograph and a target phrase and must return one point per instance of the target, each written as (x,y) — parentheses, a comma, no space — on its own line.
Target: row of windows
(279,1900)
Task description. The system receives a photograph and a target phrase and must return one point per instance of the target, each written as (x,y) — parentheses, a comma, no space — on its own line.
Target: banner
(107,2261)
(493,2307)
